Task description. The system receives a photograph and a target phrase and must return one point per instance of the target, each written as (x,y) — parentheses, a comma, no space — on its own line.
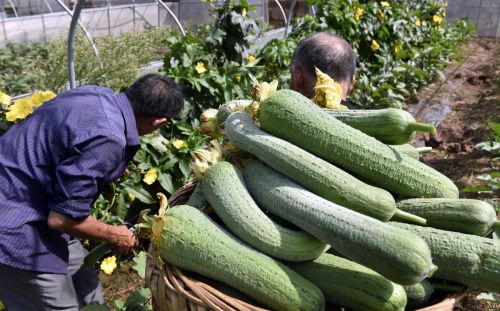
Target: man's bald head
(329,53)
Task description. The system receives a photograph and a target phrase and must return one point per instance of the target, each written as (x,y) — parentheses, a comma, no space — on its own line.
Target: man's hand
(123,240)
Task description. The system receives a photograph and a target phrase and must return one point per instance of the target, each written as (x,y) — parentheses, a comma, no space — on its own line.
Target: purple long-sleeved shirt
(58,159)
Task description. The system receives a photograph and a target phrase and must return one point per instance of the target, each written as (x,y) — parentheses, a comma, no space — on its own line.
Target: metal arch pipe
(290,14)
(48,6)
(282,11)
(70,13)
(13,8)
(173,16)
(71,42)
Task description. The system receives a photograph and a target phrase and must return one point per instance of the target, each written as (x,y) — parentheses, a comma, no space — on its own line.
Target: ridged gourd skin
(460,215)
(389,125)
(225,190)
(418,294)
(192,241)
(351,285)
(313,173)
(291,116)
(468,259)
(400,256)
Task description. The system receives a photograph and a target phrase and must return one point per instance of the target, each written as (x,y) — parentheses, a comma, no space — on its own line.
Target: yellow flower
(250,58)
(417,22)
(437,19)
(237,78)
(328,92)
(1,305)
(375,46)
(385,4)
(5,99)
(200,67)
(131,197)
(20,109)
(108,265)
(244,12)
(398,47)
(357,13)
(41,97)
(150,176)
(179,143)
(445,4)
(444,13)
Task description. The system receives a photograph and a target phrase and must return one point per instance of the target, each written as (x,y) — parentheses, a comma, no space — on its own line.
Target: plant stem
(497,225)
(421,127)
(422,150)
(407,217)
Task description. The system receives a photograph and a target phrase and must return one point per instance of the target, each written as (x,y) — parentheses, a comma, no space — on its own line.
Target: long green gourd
(225,190)
(410,151)
(313,173)
(190,240)
(419,294)
(400,256)
(291,116)
(460,215)
(464,258)
(351,285)
(391,125)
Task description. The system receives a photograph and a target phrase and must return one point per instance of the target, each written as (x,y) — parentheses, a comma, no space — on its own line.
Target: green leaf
(140,193)
(496,129)
(165,180)
(184,167)
(95,307)
(118,304)
(138,298)
(140,264)
(475,189)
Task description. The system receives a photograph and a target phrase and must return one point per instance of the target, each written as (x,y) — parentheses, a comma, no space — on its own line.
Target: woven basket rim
(194,294)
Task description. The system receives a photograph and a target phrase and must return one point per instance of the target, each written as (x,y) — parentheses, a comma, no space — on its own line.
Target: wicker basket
(173,290)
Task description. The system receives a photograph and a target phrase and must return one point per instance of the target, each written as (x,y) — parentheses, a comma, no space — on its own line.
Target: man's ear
(297,78)
(157,122)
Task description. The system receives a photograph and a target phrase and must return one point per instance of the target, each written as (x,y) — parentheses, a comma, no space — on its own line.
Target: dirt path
(470,93)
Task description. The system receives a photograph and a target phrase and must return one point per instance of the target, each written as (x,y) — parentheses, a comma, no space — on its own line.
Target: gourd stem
(421,127)
(450,288)
(497,225)
(423,150)
(407,217)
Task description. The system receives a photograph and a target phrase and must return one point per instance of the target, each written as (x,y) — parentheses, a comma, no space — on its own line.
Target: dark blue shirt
(58,159)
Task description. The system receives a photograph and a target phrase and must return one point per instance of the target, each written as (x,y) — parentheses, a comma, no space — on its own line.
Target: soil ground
(471,89)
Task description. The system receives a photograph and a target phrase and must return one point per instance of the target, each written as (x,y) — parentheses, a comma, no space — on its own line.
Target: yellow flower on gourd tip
(200,67)
(41,97)
(20,109)
(250,58)
(437,19)
(357,13)
(150,176)
(5,99)
(244,12)
(131,197)
(374,46)
(417,22)
(179,143)
(385,4)
(108,265)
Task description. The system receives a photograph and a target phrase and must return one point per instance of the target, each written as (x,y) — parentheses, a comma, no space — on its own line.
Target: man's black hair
(329,53)
(153,95)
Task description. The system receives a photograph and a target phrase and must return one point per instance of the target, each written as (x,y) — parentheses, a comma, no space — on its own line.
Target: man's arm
(79,178)
(122,239)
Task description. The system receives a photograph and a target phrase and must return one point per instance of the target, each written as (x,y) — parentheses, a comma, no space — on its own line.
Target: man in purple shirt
(53,166)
